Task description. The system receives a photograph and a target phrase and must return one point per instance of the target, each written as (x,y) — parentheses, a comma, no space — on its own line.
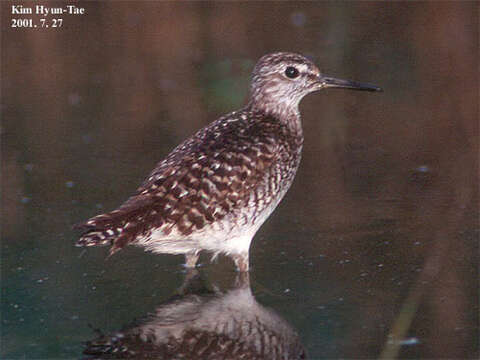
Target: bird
(213,191)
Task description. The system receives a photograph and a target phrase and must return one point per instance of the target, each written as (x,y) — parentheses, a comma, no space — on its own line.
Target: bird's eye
(291,72)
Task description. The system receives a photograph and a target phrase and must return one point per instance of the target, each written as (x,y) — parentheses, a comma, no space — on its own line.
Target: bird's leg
(241,261)
(191,259)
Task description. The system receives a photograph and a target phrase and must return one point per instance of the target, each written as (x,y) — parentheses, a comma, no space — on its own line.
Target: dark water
(372,254)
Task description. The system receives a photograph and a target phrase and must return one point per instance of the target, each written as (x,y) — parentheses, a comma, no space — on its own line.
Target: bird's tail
(98,231)
(95,237)
(117,228)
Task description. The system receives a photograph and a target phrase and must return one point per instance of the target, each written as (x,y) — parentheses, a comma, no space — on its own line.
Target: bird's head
(281,80)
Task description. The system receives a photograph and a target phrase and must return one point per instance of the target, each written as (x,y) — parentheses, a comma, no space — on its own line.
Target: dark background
(379,229)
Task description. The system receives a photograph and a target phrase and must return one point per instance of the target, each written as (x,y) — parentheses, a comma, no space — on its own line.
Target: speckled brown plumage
(214,191)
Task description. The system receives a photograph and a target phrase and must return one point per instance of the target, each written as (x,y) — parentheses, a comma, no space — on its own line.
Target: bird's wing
(201,181)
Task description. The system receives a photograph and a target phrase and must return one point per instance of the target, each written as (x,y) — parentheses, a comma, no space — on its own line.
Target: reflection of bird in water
(202,324)
(214,191)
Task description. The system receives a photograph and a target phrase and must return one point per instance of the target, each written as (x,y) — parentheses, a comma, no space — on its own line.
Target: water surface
(373,252)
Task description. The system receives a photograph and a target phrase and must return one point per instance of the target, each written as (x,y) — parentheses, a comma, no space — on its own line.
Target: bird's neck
(286,113)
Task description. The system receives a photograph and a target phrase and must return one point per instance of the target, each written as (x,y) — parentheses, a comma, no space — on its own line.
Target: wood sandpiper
(215,190)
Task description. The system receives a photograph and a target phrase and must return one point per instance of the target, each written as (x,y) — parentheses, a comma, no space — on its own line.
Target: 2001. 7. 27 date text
(40,23)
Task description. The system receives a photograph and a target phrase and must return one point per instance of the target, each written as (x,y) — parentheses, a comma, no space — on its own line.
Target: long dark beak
(329,82)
